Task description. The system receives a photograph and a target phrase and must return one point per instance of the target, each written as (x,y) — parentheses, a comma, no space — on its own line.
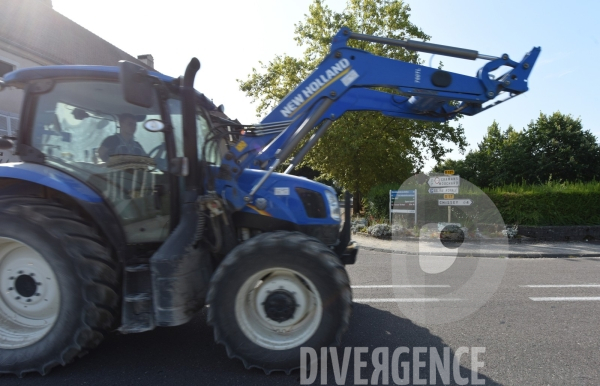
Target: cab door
(75,119)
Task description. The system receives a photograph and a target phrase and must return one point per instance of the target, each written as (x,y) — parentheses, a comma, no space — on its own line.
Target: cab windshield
(74,119)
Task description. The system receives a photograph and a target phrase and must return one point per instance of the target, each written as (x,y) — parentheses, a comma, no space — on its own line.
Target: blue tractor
(136,202)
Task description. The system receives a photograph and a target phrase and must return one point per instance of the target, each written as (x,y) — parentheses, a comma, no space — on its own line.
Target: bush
(377,201)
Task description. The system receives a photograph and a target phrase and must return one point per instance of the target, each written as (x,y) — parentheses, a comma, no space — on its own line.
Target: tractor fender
(95,207)
(51,178)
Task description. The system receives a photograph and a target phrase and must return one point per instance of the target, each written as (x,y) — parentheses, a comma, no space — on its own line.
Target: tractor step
(138,268)
(135,298)
(137,312)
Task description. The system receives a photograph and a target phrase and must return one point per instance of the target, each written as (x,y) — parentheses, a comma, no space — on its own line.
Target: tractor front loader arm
(347,80)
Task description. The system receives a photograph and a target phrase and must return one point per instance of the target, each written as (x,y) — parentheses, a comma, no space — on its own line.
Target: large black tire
(292,258)
(85,276)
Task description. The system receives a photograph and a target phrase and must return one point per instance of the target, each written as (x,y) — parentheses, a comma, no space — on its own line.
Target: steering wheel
(159,155)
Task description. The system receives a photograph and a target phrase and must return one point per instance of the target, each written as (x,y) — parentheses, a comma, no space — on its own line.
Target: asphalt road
(540,327)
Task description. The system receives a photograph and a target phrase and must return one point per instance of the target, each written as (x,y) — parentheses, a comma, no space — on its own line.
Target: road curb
(512,255)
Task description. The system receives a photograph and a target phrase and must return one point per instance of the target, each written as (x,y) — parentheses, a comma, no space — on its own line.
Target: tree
(560,149)
(498,160)
(458,166)
(553,147)
(363,149)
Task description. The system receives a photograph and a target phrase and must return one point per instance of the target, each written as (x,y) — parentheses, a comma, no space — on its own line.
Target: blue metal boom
(344,81)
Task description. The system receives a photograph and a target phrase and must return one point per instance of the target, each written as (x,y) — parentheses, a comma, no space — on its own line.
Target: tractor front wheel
(276,293)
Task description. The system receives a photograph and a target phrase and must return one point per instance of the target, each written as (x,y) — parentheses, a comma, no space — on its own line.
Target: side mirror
(135,84)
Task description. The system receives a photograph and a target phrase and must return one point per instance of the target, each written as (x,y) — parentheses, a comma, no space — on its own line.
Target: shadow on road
(187,355)
(372,327)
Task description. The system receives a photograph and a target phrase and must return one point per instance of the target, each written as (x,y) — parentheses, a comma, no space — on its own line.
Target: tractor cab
(83,127)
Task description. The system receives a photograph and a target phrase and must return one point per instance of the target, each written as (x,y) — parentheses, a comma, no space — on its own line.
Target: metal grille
(313,203)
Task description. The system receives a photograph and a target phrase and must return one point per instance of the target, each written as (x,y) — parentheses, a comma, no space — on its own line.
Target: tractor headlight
(334,205)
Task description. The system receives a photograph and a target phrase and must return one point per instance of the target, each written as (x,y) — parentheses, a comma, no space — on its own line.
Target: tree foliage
(363,149)
(553,147)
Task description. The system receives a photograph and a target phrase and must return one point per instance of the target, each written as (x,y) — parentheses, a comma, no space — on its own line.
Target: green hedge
(535,205)
(548,204)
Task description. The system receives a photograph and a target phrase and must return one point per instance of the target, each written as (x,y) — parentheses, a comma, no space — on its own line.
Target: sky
(230,37)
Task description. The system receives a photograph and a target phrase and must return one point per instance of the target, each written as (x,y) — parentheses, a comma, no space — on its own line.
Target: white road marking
(562,286)
(404,300)
(401,286)
(567,299)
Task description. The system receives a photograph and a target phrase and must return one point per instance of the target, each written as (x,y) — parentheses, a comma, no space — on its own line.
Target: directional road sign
(444,190)
(444,181)
(403,201)
(466,202)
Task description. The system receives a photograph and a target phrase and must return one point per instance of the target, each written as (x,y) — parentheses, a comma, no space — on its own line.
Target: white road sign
(466,202)
(444,190)
(444,181)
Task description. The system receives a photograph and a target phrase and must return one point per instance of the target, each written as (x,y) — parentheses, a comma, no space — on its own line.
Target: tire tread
(297,240)
(98,314)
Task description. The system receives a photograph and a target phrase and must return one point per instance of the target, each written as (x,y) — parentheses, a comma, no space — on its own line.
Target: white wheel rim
(262,330)
(29,295)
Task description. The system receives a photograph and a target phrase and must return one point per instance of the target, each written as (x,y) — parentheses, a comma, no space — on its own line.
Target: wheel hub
(25,286)
(280,306)
(29,295)
(26,294)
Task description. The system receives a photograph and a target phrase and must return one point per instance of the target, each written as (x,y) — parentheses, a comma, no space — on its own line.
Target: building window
(5,68)
(3,125)
(14,127)
(8,126)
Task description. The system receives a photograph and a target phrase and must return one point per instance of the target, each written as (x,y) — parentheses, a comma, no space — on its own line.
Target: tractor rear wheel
(58,286)
(275,293)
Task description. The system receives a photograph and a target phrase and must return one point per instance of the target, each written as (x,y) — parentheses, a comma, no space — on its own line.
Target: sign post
(403,201)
